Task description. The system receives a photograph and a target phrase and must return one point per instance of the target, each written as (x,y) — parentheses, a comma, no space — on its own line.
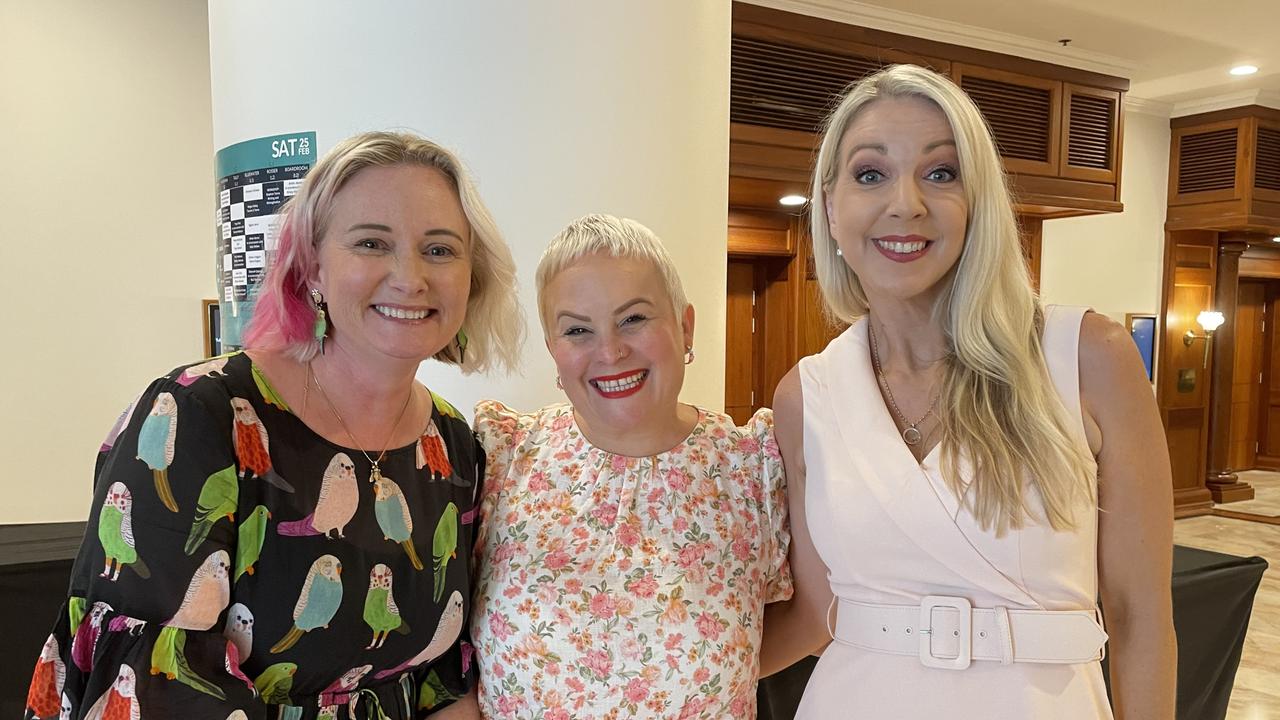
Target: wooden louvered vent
(788,87)
(1207,161)
(1090,131)
(1267,170)
(1020,116)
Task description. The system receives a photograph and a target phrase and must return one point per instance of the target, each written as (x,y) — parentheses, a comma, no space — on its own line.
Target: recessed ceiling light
(1244,69)
(792,200)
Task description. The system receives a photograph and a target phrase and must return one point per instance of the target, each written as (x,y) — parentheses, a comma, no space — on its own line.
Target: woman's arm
(1135,530)
(797,627)
(153,575)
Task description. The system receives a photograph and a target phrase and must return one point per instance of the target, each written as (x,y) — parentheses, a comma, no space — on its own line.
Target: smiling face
(617,342)
(394,264)
(897,208)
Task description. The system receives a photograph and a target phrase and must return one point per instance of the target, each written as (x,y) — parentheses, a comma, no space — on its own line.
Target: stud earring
(688,355)
(839,252)
(321,329)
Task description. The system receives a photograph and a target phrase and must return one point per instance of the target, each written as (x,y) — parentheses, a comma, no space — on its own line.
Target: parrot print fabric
(238,565)
(613,586)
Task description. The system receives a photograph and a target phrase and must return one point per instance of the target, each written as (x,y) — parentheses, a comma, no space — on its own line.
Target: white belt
(947,632)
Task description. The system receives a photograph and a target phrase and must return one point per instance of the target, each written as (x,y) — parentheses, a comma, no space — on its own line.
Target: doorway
(774,313)
(1259,300)
(757,335)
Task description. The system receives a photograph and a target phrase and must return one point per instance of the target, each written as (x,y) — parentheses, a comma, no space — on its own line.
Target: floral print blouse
(613,586)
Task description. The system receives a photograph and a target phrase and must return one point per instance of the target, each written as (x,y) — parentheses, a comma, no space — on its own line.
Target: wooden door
(1246,387)
(1269,393)
(741,371)
(814,329)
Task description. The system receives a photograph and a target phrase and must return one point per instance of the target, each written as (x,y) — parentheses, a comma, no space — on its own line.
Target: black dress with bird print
(238,565)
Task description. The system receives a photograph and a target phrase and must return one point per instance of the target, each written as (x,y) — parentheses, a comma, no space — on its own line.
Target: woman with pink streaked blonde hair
(291,527)
(285,315)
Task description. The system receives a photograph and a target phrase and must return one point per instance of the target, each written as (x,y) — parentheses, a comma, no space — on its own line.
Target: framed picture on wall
(212,329)
(1142,328)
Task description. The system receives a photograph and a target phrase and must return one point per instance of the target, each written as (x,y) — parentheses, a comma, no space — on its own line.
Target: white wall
(560,108)
(106,197)
(106,218)
(1113,263)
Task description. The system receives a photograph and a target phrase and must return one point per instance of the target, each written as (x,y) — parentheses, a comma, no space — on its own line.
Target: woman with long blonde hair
(967,469)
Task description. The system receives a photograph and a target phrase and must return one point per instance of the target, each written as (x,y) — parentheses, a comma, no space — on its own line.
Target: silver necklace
(376,473)
(911,435)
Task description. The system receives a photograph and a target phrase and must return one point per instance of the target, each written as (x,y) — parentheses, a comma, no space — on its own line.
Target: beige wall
(1113,263)
(106,228)
(640,130)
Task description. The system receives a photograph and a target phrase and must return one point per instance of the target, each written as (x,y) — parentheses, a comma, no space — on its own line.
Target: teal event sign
(255,179)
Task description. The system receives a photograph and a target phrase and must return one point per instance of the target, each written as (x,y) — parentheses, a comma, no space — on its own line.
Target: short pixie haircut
(284,316)
(613,236)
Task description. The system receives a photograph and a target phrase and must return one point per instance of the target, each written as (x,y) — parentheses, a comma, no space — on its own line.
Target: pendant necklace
(376,473)
(911,435)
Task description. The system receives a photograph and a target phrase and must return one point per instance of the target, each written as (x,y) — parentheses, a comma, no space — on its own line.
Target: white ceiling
(1176,53)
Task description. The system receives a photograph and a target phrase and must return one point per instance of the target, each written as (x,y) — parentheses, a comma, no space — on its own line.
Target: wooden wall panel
(754,232)
(1184,430)
(813,330)
(740,342)
(1028,104)
(1032,236)
(1269,397)
(1182,379)
(779,316)
(1247,376)
(1272,437)
(1220,188)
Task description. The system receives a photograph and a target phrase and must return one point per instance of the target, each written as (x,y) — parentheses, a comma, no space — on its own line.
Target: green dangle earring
(461,339)
(322,318)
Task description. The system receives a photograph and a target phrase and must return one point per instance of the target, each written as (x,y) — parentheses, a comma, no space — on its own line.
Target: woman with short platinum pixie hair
(968,470)
(628,542)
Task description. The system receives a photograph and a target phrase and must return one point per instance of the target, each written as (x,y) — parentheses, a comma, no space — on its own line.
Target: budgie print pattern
(236,565)
(614,586)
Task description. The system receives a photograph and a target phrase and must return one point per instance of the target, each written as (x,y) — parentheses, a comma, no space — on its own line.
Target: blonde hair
(613,236)
(284,315)
(997,405)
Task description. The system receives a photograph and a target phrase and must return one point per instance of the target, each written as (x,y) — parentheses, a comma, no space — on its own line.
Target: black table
(1212,599)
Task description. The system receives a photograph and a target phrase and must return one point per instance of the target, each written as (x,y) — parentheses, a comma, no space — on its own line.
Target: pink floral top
(620,587)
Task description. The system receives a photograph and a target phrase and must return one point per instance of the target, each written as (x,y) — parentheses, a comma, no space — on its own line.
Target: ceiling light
(1244,69)
(792,200)
(1276,239)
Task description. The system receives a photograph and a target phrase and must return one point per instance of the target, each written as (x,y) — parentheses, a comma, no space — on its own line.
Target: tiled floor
(1257,690)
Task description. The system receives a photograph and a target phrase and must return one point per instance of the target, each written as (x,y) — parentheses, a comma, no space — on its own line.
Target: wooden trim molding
(846,27)
(39,542)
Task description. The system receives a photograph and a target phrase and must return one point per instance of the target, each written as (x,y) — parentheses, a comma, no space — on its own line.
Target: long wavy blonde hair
(998,408)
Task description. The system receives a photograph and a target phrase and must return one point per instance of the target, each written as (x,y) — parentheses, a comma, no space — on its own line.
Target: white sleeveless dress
(891,532)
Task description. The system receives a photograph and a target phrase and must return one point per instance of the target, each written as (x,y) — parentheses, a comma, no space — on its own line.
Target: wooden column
(1222,482)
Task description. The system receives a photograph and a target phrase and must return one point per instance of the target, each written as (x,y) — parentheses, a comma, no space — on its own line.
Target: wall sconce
(1210,320)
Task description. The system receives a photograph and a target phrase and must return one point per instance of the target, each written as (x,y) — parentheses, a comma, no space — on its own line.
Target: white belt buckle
(964,629)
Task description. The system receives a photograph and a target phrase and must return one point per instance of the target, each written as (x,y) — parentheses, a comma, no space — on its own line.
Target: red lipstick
(621,385)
